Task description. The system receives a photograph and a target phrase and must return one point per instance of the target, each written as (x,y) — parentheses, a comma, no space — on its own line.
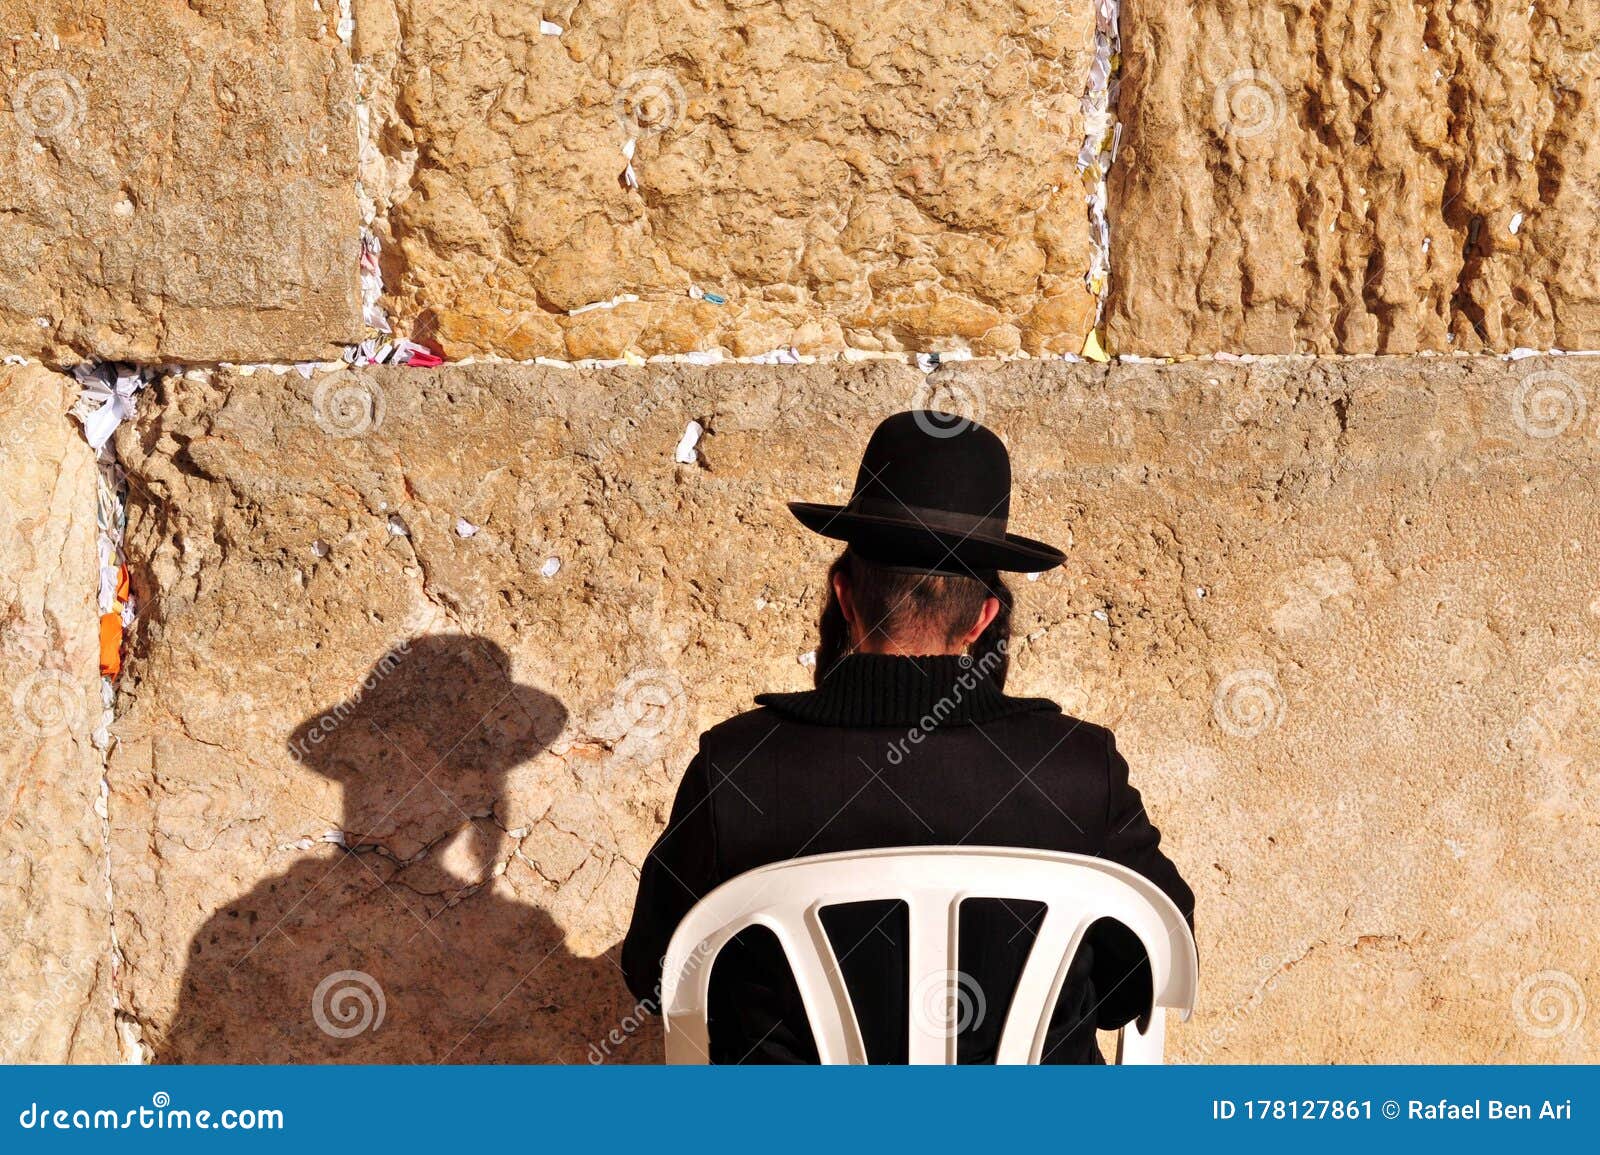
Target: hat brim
(909,544)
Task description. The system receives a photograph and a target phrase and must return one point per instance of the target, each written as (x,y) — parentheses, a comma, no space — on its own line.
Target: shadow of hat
(444,705)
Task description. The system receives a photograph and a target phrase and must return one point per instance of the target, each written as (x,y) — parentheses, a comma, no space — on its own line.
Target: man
(908,739)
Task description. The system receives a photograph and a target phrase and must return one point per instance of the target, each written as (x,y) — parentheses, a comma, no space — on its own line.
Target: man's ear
(841,591)
(986,615)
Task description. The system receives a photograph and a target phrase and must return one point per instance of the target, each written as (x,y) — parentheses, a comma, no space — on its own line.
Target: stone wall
(1343,619)
(898,177)
(55,937)
(1306,177)
(1341,611)
(179,182)
(1366,177)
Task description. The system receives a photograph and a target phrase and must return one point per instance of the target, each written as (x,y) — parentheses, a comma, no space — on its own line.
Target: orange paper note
(111,644)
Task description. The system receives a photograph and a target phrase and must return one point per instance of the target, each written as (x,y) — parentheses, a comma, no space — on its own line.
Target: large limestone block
(1344,619)
(896,176)
(178,181)
(55,928)
(1364,177)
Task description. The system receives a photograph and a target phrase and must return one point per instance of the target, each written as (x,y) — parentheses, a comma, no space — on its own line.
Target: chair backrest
(787,898)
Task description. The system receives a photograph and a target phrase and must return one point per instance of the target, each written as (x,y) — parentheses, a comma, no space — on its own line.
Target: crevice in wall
(109,397)
(1102,132)
(372,312)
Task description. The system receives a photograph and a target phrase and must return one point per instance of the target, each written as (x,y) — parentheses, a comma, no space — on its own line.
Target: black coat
(898,751)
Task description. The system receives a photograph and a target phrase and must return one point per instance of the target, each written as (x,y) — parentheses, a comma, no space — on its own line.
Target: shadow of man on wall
(404,944)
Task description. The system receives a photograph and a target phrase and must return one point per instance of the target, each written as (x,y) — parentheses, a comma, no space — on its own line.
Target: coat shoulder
(1073,738)
(748,728)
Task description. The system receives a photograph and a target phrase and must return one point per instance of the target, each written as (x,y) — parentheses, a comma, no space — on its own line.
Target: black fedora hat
(933,495)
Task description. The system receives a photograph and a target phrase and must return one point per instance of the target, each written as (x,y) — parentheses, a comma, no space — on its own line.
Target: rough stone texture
(178,181)
(900,176)
(1344,619)
(1314,177)
(55,930)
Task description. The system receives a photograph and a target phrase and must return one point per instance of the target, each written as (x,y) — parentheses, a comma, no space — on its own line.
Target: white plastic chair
(787,898)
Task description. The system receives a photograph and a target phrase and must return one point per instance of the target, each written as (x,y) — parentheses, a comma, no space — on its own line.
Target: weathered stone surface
(1344,619)
(55,926)
(899,177)
(178,181)
(1362,177)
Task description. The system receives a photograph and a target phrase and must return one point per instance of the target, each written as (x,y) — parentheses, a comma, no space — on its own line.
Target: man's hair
(904,605)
